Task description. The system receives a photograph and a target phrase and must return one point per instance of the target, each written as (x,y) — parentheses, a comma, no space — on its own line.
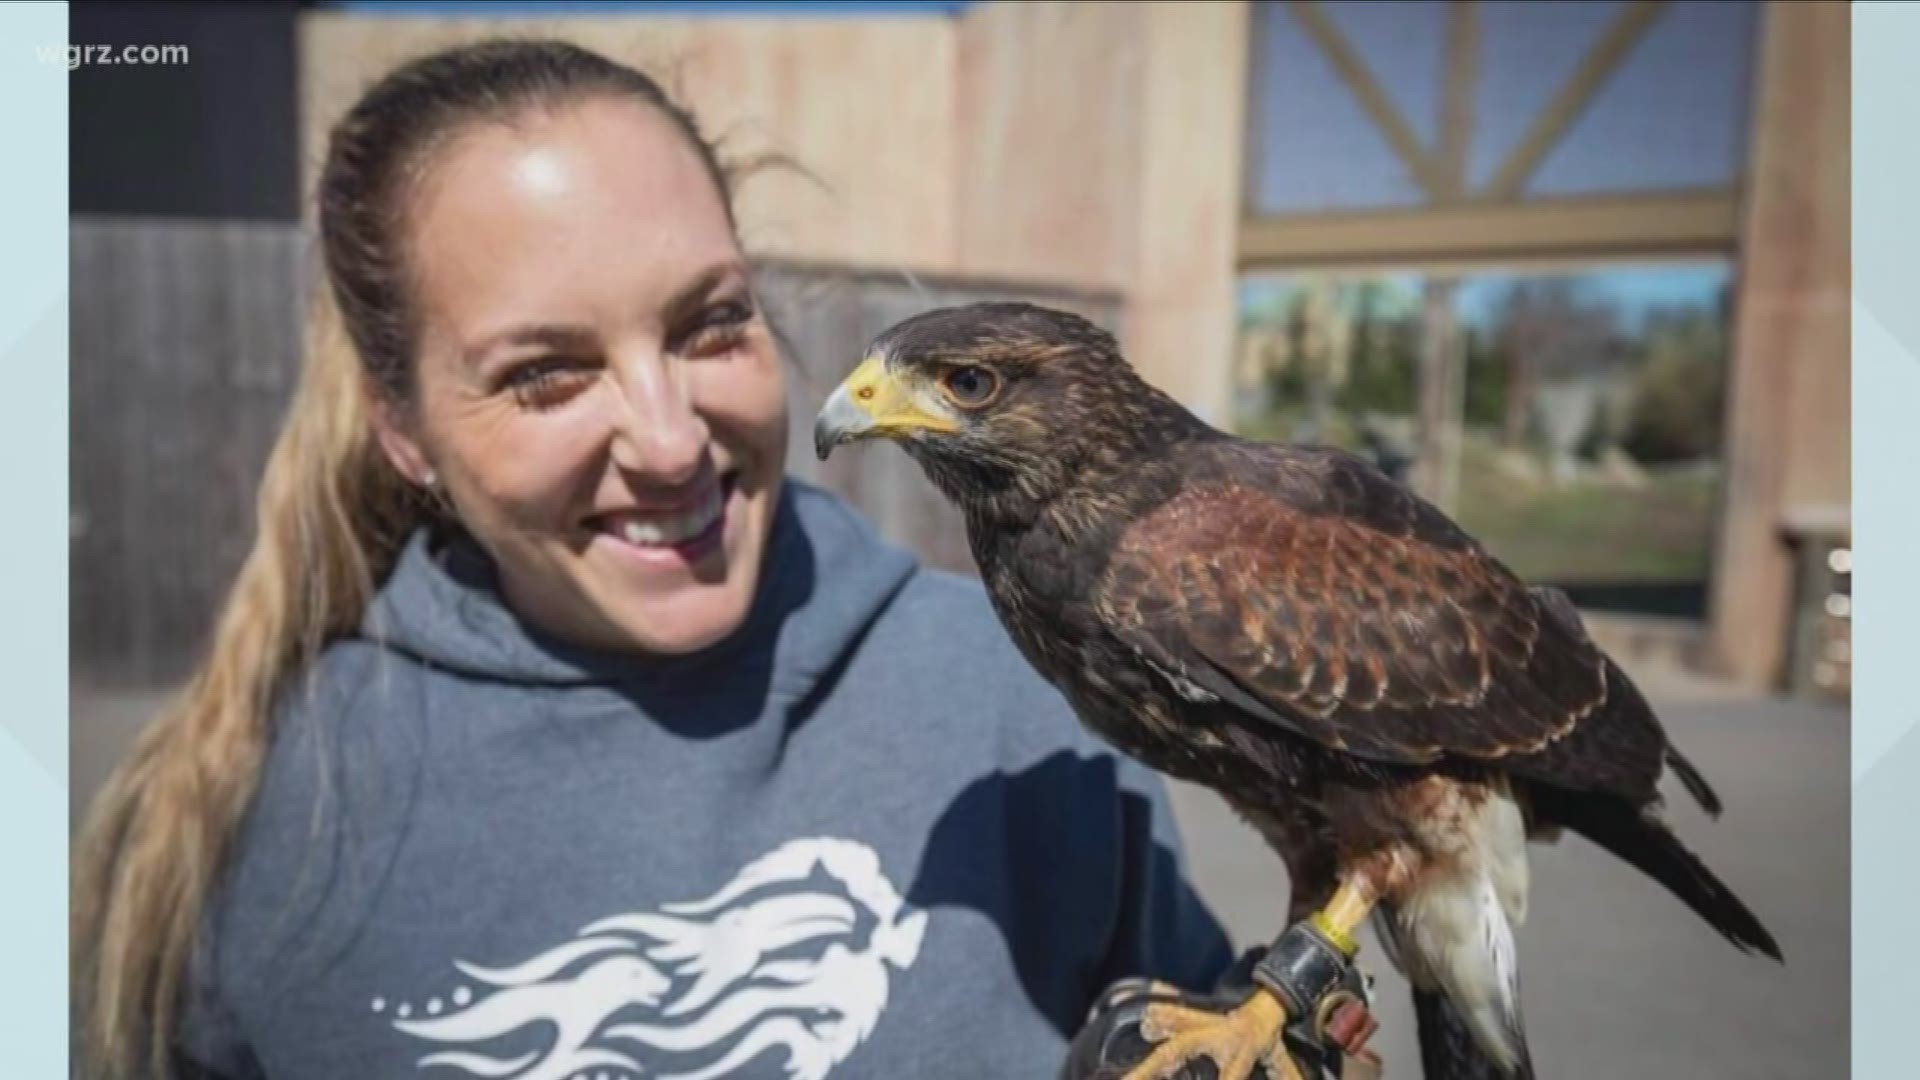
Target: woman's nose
(660,437)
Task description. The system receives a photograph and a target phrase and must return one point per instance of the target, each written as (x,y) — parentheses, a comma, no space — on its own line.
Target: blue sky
(1634,290)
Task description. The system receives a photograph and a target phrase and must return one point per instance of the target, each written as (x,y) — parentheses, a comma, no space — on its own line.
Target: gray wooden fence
(185,347)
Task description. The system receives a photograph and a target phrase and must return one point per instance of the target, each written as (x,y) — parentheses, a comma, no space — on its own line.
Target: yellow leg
(1351,904)
(1250,1034)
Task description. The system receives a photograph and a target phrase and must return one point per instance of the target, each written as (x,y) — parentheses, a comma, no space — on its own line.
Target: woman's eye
(719,328)
(971,385)
(546,381)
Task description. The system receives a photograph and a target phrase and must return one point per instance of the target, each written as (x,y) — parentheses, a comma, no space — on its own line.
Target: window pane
(1673,116)
(1314,148)
(1528,51)
(1589,412)
(1403,43)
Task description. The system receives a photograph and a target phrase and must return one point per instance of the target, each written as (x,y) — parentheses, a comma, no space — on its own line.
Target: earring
(431,479)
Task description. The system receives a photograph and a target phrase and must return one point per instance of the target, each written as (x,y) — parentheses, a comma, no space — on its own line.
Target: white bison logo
(792,954)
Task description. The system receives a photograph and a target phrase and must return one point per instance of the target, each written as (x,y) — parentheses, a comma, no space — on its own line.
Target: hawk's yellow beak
(871,402)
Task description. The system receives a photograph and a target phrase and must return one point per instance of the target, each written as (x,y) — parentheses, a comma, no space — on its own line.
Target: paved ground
(1618,979)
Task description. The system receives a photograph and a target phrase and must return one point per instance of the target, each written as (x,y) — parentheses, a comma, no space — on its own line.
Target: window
(1378,105)
(1491,246)
(1583,424)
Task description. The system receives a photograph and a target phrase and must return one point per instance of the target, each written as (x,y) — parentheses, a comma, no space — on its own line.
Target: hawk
(1394,710)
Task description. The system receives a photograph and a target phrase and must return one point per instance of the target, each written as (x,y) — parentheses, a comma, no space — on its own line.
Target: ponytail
(330,513)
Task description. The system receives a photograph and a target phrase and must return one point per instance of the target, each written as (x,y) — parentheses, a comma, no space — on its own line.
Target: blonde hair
(330,511)
(331,516)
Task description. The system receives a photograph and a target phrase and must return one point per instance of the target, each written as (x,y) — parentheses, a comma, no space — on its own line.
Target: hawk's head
(1003,404)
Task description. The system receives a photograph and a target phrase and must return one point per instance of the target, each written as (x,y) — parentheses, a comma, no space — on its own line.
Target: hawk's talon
(1235,1041)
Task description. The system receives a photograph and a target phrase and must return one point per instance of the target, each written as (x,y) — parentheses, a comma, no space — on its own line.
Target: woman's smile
(671,531)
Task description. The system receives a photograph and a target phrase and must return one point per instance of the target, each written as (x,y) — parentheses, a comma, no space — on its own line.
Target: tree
(1678,397)
(1547,333)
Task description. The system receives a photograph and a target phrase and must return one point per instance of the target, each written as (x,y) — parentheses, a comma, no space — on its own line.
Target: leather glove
(1109,1043)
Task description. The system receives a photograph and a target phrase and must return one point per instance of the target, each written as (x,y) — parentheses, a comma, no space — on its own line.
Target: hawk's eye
(971,386)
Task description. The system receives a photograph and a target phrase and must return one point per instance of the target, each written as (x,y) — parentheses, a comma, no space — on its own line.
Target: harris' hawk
(1393,709)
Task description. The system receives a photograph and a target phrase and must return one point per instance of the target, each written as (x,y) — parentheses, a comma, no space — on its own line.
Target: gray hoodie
(858,838)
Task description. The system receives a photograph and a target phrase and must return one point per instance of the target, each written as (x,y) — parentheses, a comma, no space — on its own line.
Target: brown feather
(1354,616)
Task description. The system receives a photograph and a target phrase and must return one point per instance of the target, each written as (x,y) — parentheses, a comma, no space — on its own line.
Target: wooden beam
(1573,98)
(1456,99)
(1353,71)
(1669,225)
(1791,333)
(1442,388)
(1189,134)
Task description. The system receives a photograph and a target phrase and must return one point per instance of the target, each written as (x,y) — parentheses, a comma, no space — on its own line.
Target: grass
(1589,531)
(1585,531)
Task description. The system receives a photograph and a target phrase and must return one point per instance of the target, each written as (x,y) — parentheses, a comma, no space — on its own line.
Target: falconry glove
(1111,1043)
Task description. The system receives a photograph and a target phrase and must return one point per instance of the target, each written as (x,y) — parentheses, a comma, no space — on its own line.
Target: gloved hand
(1110,1043)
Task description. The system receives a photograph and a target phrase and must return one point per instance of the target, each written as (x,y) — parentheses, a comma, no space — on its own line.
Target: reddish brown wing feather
(1313,592)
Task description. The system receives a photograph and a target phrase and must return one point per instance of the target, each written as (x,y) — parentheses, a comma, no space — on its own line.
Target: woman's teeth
(657,530)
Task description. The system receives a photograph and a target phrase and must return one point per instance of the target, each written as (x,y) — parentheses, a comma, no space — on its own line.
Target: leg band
(1301,968)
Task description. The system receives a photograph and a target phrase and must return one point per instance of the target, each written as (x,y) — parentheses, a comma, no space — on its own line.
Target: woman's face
(597,392)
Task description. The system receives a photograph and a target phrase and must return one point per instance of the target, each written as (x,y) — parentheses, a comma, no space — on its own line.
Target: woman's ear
(403,450)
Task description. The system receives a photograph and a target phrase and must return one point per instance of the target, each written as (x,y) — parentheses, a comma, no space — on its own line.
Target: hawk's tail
(1649,845)
(1695,783)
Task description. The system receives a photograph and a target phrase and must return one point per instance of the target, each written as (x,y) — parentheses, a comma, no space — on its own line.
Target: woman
(549,731)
